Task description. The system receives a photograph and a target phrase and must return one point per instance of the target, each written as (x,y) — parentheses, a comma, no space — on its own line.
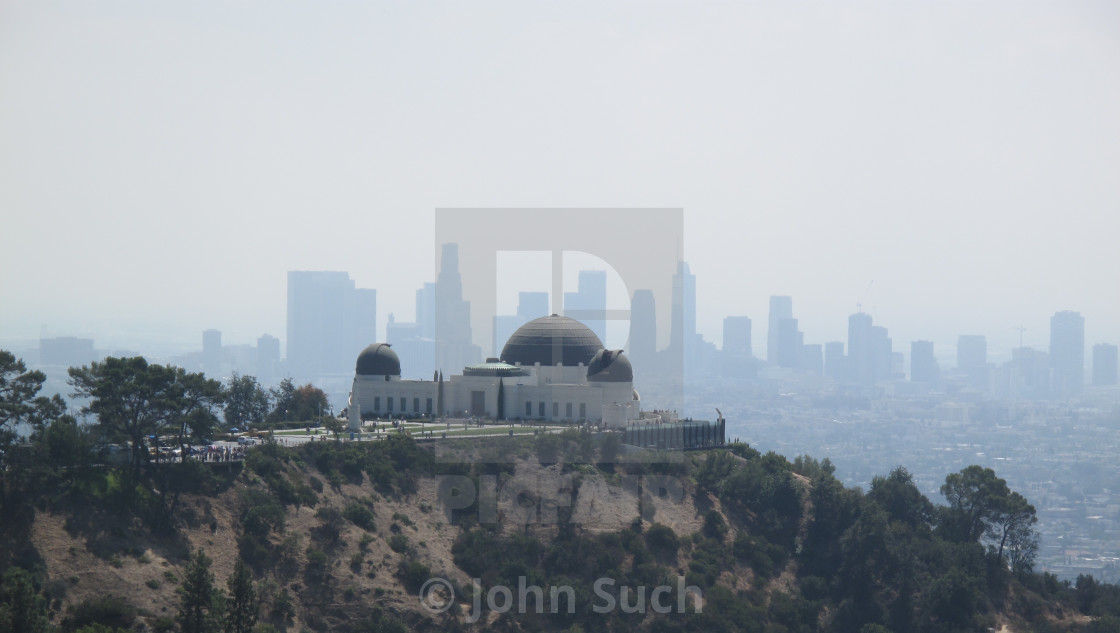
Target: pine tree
(22,608)
(201,606)
(242,607)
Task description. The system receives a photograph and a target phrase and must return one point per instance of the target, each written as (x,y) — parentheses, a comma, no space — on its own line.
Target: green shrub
(398,543)
(111,611)
(662,540)
(282,606)
(413,574)
(359,515)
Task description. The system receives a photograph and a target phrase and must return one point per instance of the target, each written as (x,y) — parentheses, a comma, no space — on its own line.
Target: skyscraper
(923,364)
(426,310)
(643,330)
(1067,353)
(882,354)
(972,351)
(737,335)
(454,345)
(589,304)
(812,359)
(860,353)
(329,322)
(834,360)
(788,353)
(268,358)
(684,308)
(683,340)
(532,305)
(1104,365)
(972,360)
(781,307)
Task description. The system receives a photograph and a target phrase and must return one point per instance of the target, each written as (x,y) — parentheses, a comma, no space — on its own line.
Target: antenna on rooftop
(859,304)
(1021,330)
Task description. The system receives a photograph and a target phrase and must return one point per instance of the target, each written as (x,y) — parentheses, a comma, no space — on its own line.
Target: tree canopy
(20,402)
(134,400)
(246,402)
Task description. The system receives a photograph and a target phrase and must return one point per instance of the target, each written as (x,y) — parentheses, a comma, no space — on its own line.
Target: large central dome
(550,340)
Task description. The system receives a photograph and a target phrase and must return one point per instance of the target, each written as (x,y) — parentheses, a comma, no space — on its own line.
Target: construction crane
(859,304)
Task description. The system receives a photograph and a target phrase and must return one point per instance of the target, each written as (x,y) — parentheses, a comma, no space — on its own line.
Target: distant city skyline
(863,357)
(780,316)
(961,156)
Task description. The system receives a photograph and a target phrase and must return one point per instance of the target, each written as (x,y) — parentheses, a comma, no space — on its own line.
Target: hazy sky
(163,164)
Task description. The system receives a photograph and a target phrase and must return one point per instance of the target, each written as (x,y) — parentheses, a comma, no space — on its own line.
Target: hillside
(341,536)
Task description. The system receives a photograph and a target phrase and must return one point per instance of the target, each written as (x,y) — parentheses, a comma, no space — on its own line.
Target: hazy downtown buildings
(923,364)
(589,303)
(972,360)
(530,305)
(736,357)
(972,351)
(683,327)
(812,359)
(454,346)
(328,321)
(789,339)
(642,346)
(212,353)
(860,365)
(1067,353)
(834,361)
(737,335)
(66,351)
(268,358)
(1104,365)
(781,307)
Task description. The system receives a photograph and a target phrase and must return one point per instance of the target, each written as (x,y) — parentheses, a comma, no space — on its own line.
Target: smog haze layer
(163,166)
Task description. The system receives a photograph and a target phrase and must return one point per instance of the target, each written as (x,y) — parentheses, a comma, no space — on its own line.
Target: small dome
(550,340)
(610,366)
(378,360)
